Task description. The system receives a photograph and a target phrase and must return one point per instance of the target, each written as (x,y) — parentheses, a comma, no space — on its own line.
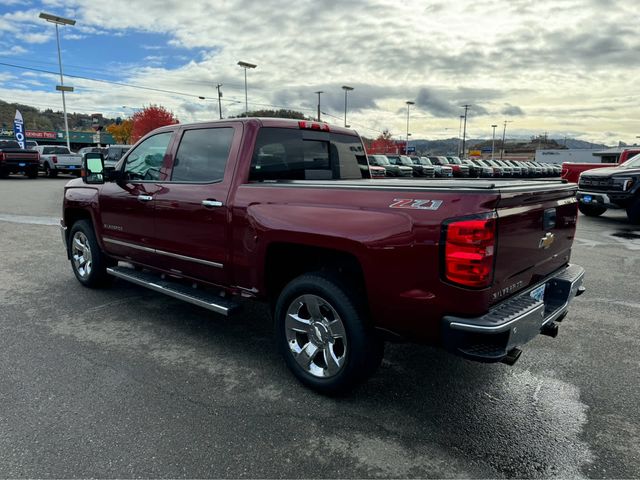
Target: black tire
(361,349)
(591,210)
(4,174)
(633,212)
(50,172)
(96,275)
(32,173)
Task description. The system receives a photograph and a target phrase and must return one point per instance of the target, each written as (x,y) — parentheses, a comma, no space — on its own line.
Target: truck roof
(267,122)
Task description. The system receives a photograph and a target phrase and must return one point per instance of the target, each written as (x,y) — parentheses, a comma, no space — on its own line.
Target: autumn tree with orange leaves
(122,131)
(150,118)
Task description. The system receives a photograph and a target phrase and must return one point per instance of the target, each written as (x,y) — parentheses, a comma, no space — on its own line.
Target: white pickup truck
(56,159)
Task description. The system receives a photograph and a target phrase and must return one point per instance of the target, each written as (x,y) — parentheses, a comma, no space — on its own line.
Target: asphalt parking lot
(125,382)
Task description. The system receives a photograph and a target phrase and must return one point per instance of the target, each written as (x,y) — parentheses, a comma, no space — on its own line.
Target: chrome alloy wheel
(316,336)
(81,254)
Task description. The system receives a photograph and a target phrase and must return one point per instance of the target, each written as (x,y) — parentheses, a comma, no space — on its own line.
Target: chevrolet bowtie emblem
(547,241)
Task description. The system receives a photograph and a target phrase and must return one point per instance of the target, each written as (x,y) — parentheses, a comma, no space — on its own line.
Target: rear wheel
(32,173)
(633,212)
(591,210)
(323,334)
(50,172)
(88,262)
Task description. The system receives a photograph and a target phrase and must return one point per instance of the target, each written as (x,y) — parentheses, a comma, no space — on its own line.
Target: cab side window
(202,155)
(145,161)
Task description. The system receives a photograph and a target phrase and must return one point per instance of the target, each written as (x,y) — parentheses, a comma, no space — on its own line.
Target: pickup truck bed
(293,219)
(17,160)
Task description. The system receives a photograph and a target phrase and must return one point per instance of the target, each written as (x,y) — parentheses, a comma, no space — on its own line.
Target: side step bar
(177,290)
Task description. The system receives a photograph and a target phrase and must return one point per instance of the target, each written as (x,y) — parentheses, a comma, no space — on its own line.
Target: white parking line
(29,219)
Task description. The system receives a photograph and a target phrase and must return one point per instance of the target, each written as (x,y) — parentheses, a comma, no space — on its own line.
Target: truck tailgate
(536,227)
(65,160)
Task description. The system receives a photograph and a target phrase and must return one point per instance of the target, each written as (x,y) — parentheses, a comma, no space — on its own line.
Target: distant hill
(49,120)
(449,146)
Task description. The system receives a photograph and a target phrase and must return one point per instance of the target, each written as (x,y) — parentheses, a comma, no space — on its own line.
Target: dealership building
(77,139)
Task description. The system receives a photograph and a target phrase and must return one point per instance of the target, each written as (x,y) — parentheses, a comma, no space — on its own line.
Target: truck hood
(607,172)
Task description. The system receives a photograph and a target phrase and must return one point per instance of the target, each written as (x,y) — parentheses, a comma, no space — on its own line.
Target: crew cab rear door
(192,213)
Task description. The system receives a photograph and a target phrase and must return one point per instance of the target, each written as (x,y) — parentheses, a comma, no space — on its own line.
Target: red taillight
(313,126)
(469,251)
(54,159)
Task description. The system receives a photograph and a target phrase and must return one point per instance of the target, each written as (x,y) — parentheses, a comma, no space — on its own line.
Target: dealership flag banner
(18,129)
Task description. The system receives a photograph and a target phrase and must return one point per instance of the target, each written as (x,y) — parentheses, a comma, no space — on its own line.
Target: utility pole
(460,136)
(464,132)
(493,141)
(219,99)
(319,92)
(504,132)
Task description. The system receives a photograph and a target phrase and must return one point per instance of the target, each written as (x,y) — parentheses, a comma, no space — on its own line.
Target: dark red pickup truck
(14,159)
(285,212)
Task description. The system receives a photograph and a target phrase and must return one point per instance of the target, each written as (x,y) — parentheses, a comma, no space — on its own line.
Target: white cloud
(15,50)
(34,37)
(504,56)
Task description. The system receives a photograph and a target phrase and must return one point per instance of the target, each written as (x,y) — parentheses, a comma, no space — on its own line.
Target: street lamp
(319,92)
(61,21)
(493,141)
(246,66)
(406,147)
(346,89)
(504,132)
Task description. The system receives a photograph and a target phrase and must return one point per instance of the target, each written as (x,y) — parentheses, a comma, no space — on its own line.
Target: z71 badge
(417,204)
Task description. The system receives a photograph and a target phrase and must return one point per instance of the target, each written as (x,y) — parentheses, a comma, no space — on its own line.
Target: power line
(174,92)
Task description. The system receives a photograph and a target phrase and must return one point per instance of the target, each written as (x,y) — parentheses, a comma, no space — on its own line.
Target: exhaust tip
(512,356)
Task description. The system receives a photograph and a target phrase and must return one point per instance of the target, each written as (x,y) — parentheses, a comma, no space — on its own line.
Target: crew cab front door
(127,206)
(191,210)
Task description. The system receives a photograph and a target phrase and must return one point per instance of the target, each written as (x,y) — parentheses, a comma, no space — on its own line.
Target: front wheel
(323,334)
(591,210)
(88,262)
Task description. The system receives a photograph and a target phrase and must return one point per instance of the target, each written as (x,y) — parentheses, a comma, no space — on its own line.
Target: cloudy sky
(566,67)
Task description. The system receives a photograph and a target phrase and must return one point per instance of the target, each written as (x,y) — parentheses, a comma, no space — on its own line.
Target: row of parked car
(55,159)
(450,166)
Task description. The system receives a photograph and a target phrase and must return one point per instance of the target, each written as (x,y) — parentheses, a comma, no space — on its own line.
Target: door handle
(145,198)
(211,203)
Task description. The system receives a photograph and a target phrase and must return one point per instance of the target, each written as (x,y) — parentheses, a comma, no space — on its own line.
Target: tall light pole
(319,92)
(493,141)
(56,20)
(406,147)
(246,66)
(504,132)
(460,135)
(464,131)
(219,99)
(346,89)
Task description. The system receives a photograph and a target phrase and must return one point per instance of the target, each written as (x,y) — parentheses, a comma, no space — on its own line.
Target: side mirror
(93,168)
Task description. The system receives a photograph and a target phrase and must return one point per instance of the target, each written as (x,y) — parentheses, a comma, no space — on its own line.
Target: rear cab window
(291,154)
